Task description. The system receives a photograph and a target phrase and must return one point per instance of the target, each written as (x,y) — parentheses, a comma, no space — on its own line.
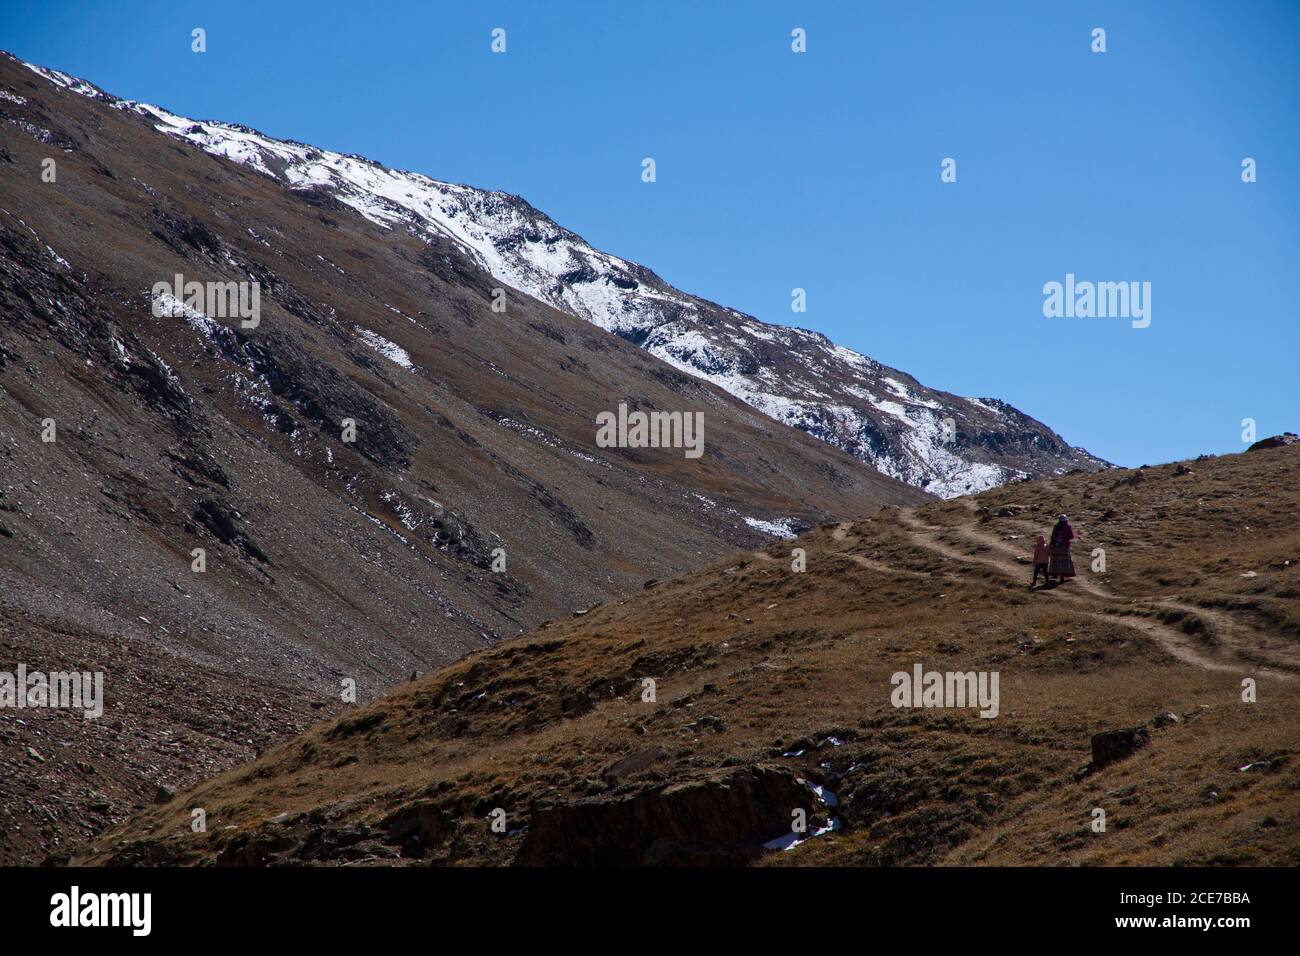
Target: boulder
(1113,745)
(632,764)
(1165,718)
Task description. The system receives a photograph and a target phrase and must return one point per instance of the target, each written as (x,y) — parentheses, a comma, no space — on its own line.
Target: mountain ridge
(946,444)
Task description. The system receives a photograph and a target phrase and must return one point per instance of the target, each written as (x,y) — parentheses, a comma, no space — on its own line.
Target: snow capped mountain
(943,443)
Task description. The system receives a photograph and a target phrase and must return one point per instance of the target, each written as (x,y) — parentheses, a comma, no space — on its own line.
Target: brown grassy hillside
(767,678)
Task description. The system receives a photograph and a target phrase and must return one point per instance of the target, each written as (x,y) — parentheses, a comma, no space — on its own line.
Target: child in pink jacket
(1040,561)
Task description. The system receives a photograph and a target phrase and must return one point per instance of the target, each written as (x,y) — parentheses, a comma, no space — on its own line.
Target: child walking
(1040,561)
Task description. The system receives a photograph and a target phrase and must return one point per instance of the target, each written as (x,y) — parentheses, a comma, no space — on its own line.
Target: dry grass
(753,661)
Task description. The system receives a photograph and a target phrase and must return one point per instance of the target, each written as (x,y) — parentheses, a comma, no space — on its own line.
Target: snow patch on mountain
(385,347)
(781,528)
(944,443)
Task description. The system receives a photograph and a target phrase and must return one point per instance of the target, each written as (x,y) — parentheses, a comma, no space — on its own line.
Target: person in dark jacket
(1059,562)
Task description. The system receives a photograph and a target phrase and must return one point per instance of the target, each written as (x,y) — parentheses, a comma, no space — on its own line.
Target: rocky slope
(135,429)
(941,442)
(1120,691)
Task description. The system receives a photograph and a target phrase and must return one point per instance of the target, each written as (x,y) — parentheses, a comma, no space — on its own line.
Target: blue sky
(821,170)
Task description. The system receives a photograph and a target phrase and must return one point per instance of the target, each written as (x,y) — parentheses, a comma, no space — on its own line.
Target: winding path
(1090,597)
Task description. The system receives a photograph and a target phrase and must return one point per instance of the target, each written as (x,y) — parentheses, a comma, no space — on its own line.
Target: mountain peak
(943,443)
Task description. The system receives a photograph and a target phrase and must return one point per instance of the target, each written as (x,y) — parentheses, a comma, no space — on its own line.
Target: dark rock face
(719,820)
(1117,744)
(223,521)
(417,827)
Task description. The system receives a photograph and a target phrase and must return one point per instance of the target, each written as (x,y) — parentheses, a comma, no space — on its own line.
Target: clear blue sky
(821,170)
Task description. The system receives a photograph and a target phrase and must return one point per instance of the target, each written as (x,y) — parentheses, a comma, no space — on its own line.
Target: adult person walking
(1059,562)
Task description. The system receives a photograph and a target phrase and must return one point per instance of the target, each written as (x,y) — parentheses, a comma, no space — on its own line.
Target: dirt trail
(1226,629)
(1087,596)
(841,533)
(1229,633)
(971,531)
(1175,643)
(881,566)
(930,538)
(1099,602)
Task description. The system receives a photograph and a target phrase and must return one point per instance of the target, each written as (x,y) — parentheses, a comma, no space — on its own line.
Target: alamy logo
(103,909)
(1102,300)
(78,690)
(923,688)
(216,300)
(651,430)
